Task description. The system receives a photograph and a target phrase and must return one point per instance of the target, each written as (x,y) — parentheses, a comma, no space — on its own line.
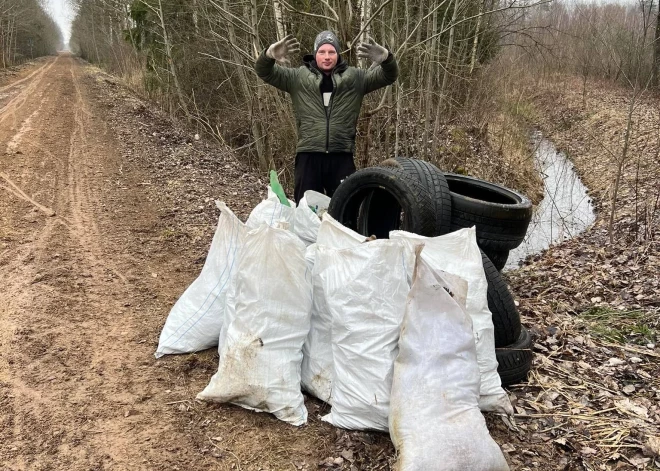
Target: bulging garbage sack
(266,323)
(308,214)
(317,365)
(435,422)
(195,321)
(365,291)
(271,212)
(458,253)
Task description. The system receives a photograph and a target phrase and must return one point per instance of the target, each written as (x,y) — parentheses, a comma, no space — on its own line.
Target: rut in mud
(70,357)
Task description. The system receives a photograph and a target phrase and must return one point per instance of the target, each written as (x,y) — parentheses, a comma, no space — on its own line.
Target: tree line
(26,32)
(195,57)
(614,41)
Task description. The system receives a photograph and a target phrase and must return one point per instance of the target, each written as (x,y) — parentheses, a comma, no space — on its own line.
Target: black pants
(321,172)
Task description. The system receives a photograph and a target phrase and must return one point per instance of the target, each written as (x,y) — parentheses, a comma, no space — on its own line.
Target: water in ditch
(565,210)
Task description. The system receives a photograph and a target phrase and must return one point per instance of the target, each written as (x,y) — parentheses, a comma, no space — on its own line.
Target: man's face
(326,58)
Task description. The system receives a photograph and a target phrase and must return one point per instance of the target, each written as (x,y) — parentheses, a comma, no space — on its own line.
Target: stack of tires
(415,196)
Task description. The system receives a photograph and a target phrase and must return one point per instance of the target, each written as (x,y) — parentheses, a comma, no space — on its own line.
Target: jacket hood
(310,63)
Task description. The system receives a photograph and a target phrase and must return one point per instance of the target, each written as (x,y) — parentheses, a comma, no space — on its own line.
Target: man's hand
(372,51)
(281,49)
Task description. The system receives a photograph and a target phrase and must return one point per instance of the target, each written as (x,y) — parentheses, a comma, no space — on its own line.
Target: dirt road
(72,364)
(88,272)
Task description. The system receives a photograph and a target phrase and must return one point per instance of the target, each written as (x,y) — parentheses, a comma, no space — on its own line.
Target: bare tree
(26,32)
(200,54)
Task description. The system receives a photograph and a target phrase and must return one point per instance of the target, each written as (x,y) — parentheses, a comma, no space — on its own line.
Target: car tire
(394,201)
(500,215)
(499,259)
(431,177)
(506,318)
(515,360)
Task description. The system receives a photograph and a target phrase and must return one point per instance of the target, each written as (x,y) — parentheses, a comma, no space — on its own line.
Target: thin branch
(366,25)
(314,15)
(243,53)
(404,44)
(226,61)
(247,29)
(334,13)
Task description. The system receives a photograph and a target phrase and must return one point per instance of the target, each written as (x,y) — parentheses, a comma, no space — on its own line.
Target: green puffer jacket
(320,130)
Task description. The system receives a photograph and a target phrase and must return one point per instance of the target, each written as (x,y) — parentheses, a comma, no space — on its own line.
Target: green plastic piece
(276,186)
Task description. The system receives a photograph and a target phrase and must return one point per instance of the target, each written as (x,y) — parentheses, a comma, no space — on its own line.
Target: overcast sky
(62,13)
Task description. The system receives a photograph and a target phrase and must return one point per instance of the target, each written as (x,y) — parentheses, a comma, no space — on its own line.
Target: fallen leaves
(652,447)
(594,391)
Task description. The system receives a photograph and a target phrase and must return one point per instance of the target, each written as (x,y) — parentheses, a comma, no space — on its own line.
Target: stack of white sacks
(395,334)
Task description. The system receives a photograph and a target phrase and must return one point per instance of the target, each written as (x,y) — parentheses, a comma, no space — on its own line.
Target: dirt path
(74,393)
(106,212)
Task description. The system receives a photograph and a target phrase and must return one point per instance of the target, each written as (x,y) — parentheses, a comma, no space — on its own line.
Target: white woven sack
(266,323)
(271,212)
(458,253)
(307,221)
(435,422)
(195,321)
(317,365)
(365,290)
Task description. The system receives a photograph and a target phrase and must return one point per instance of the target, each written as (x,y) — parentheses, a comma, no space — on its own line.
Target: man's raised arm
(271,73)
(384,69)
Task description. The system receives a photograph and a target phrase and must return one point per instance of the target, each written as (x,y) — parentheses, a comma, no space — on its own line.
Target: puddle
(565,210)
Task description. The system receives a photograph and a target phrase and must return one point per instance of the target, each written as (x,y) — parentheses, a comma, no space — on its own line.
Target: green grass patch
(621,326)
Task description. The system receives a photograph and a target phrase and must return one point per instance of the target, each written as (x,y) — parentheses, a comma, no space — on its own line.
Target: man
(327,96)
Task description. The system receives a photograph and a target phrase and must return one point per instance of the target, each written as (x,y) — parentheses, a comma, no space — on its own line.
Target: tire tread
(515,360)
(417,199)
(506,319)
(499,227)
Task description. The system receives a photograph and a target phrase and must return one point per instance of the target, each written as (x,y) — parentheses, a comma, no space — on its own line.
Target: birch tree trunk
(170,61)
(255,124)
(344,9)
(415,81)
(397,136)
(262,143)
(365,16)
(477,30)
(279,19)
(450,50)
(430,79)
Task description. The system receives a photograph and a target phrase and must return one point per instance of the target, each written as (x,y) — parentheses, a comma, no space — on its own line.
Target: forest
(26,32)
(464,64)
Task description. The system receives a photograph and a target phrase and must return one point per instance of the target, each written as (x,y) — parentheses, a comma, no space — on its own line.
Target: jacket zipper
(328,112)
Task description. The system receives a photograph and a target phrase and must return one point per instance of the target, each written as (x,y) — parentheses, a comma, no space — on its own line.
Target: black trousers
(321,172)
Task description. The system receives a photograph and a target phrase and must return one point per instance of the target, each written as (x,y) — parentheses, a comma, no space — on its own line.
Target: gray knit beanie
(326,37)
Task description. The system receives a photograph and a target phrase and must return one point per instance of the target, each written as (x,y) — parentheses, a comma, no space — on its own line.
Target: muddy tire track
(75,390)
